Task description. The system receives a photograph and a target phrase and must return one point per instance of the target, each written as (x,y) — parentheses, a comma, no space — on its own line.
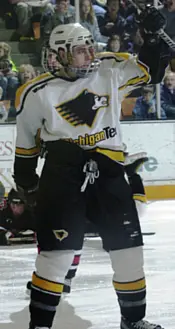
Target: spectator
(137,41)
(26,73)
(8,73)
(98,6)
(113,22)
(168,11)
(25,10)
(3,115)
(99,10)
(145,108)
(114,43)
(63,14)
(89,20)
(127,8)
(168,95)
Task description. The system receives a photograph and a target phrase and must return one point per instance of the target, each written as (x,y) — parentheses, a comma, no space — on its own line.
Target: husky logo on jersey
(60,234)
(100,102)
(83,109)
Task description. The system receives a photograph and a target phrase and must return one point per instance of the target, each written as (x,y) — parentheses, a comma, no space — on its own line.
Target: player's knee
(53,265)
(127,264)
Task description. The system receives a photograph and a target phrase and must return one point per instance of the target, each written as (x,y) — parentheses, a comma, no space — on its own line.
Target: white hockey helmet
(64,38)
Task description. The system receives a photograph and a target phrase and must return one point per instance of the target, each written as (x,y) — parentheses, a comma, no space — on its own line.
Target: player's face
(82,56)
(17,209)
(53,62)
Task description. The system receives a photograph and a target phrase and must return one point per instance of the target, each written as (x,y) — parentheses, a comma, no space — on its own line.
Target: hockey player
(78,111)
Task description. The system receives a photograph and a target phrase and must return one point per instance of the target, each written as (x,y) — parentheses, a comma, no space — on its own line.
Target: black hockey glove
(151,20)
(28,195)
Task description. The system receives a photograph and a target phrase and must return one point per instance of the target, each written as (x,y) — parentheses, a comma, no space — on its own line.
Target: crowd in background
(113,24)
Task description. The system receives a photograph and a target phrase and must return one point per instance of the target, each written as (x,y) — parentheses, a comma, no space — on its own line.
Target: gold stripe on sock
(136,285)
(47,285)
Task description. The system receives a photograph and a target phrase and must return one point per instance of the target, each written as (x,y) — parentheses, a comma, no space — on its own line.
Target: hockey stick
(163,35)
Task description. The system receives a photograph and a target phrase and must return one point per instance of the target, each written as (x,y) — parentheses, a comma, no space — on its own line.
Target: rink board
(155,138)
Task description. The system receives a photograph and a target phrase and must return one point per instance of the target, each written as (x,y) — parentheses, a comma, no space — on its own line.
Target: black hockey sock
(45,296)
(131,298)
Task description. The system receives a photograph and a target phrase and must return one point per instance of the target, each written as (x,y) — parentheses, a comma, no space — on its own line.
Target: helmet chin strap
(85,72)
(69,57)
(71,72)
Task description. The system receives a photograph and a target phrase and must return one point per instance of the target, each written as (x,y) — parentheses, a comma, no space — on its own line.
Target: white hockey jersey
(83,111)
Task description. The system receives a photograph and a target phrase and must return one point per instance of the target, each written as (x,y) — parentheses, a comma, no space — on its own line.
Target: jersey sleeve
(128,71)
(132,72)
(29,122)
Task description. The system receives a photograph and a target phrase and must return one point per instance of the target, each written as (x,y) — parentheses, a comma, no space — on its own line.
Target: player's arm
(29,121)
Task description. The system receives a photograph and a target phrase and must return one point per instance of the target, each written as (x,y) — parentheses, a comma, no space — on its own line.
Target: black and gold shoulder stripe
(22,152)
(31,152)
(145,78)
(23,91)
(118,57)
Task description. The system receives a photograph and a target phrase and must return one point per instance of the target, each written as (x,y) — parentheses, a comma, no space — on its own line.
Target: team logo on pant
(60,234)
(82,109)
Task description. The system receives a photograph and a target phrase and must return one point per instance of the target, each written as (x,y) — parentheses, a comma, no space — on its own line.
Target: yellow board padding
(160,192)
(136,285)
(47,285)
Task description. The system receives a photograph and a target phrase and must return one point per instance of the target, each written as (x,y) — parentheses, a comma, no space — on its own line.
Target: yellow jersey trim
(27,152)
(113,155)
(23,90)
(117,56)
